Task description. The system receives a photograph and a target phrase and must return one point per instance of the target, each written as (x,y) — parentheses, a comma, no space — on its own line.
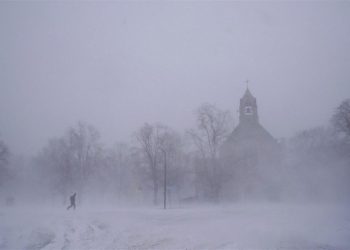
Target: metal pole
(165,177)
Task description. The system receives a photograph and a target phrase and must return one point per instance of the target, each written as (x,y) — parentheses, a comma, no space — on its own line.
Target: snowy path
(232,227)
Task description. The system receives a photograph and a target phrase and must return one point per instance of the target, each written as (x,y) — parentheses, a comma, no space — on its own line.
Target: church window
(248,110)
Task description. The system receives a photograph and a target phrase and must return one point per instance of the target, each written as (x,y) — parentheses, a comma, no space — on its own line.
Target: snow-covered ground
(241,226)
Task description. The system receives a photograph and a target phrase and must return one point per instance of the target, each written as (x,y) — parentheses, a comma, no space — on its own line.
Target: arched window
(248,110)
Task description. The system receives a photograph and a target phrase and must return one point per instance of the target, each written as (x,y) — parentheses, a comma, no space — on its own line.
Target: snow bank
(243,226)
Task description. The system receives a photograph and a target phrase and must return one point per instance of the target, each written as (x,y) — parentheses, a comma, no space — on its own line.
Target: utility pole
(165,177)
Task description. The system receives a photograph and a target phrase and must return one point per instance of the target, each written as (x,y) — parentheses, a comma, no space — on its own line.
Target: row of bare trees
(161,160)
(319,158)
(163,164)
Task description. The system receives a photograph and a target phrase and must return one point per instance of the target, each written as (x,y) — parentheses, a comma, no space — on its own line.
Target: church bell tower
(248,109)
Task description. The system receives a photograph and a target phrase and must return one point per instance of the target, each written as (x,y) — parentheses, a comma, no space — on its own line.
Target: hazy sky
(117,65)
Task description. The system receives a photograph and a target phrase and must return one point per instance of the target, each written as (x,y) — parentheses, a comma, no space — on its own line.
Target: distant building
(251,155)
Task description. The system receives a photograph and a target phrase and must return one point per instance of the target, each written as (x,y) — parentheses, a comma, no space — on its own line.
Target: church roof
(248,94)
(250,131)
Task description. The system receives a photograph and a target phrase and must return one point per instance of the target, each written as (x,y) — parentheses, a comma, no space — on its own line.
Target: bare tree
(68,162)
(4,160)
(315,144)
(341,118)
(160,146)
(55,168)
(85,148)
(212,129)
(315,163)
(169,146)
(118,171)
(148,138)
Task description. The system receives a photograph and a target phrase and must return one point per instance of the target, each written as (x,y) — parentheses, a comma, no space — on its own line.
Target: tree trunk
(155,193)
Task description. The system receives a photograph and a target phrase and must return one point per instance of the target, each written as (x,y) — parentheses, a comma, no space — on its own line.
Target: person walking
(72,201)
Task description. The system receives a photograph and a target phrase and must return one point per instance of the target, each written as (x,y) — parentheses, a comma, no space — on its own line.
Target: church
(250,154)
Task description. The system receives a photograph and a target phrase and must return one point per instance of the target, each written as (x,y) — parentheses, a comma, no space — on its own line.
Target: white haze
(107,98)
(118,64)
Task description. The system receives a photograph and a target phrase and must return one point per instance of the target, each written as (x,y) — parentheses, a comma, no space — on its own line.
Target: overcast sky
(117,65)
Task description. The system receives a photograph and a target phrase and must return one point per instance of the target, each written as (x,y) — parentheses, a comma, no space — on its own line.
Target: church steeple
(248,109)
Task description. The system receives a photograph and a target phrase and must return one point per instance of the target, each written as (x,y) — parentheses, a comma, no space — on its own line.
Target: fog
(117,65)
(174,120)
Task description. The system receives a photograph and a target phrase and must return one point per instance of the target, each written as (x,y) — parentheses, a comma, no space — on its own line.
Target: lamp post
(165,177)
